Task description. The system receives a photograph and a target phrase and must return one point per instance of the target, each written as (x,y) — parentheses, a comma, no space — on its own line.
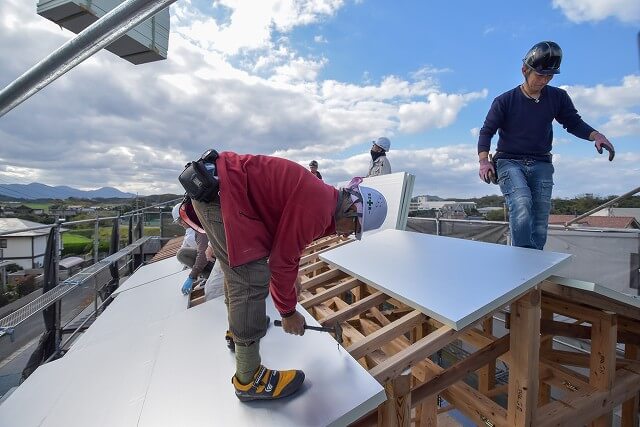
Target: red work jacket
(273,207)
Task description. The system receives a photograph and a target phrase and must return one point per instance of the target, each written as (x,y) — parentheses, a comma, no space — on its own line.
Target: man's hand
(186,287)
(486,173)
(602,142)
(294,324)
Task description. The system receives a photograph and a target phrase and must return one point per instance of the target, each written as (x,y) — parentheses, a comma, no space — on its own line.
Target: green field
(69,238)
(44,206)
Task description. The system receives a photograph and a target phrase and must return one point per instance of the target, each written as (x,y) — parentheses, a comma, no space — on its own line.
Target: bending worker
(269,208)
(523,118)
(379,164)
(192,253)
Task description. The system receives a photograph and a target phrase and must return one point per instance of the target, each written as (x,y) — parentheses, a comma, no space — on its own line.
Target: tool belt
(200,178)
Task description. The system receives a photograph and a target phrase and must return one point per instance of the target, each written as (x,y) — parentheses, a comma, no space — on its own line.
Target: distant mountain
(36,190)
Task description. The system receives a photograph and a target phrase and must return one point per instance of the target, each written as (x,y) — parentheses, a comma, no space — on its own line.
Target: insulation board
(150,361)
(455,281)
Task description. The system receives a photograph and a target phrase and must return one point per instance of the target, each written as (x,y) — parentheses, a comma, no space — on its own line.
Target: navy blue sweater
(525,127)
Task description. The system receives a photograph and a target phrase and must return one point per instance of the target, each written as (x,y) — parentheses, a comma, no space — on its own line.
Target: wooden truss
(546,386)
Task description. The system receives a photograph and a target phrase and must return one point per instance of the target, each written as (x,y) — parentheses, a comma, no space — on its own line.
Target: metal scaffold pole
(101,33)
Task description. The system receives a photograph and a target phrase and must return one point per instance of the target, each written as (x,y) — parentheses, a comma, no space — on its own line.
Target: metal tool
(336,330)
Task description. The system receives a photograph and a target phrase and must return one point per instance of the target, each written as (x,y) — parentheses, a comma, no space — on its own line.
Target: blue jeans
(526,186)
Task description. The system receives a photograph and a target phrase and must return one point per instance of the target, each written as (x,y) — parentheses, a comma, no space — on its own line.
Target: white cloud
(622,125)
(474,132)
(320,39)
(249,25)
(597,10)
(617,105)
(440,110)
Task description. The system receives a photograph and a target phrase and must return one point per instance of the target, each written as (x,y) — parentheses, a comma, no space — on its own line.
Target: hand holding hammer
(336,330)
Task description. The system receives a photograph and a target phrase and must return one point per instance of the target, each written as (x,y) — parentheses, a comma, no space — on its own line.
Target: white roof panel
(150,361)
(455,281)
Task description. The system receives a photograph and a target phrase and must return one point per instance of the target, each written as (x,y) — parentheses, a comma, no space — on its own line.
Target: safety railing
(9,323)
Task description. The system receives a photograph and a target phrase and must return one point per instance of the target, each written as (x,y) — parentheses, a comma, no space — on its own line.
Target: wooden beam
(570,330)
(544,392)
(581,360)
(479,340)
(479,408)
(603,360)
(422,349)
(461,369)
(525,356)
(553,286)
(487,374)
(321,244)
(315,256)
(630,408)
(330,275)
(354,309)
(577,409)
(396,411)
(386,333)
(564,378)
(573,310)
(330,293)
(312,267)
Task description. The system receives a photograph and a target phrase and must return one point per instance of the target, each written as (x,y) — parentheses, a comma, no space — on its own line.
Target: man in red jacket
(267,211)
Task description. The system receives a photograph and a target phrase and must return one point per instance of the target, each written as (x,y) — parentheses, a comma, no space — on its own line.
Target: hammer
(336,330)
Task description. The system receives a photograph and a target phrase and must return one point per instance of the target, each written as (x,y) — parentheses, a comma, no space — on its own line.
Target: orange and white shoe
(269,384)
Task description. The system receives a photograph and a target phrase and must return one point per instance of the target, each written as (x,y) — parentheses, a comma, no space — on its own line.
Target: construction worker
(523,118)
(379,164)
(268,208)
(192,253)
(313,167)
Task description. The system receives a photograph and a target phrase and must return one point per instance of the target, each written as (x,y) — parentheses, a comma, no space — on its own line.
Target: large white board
(150,361)
(455,281)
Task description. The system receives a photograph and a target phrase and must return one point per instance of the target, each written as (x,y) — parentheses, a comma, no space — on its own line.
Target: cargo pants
(246,286)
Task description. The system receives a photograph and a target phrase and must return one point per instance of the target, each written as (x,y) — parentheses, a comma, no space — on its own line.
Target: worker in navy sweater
(523,118)
(267,211)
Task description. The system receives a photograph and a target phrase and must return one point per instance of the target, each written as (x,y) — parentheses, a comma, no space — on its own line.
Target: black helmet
(544,58)
(313,163)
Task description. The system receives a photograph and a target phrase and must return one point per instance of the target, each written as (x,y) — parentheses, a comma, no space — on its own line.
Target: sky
(321,79)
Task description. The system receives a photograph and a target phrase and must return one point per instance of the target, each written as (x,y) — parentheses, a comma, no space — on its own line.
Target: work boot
(269,384)
(228,337)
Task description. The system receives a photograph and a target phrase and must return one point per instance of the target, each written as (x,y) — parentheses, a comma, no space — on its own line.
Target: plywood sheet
(455,281)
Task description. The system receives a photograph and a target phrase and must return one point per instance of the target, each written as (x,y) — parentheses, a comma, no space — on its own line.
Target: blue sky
(319,79)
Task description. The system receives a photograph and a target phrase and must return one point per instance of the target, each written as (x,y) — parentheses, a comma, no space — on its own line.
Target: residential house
(25,248)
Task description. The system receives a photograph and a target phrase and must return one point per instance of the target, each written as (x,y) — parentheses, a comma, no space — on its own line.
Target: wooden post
(396,411)
(630,407)
(544,396)
(603,359)
(487,374)
(427,410)
(525,356)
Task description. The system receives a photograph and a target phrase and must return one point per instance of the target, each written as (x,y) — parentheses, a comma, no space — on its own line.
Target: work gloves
(487,172)
(188,284)
(602,142)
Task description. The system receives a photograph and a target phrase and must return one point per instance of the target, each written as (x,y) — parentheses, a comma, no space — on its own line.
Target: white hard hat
(383,142)
(175,212)
(374,210)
